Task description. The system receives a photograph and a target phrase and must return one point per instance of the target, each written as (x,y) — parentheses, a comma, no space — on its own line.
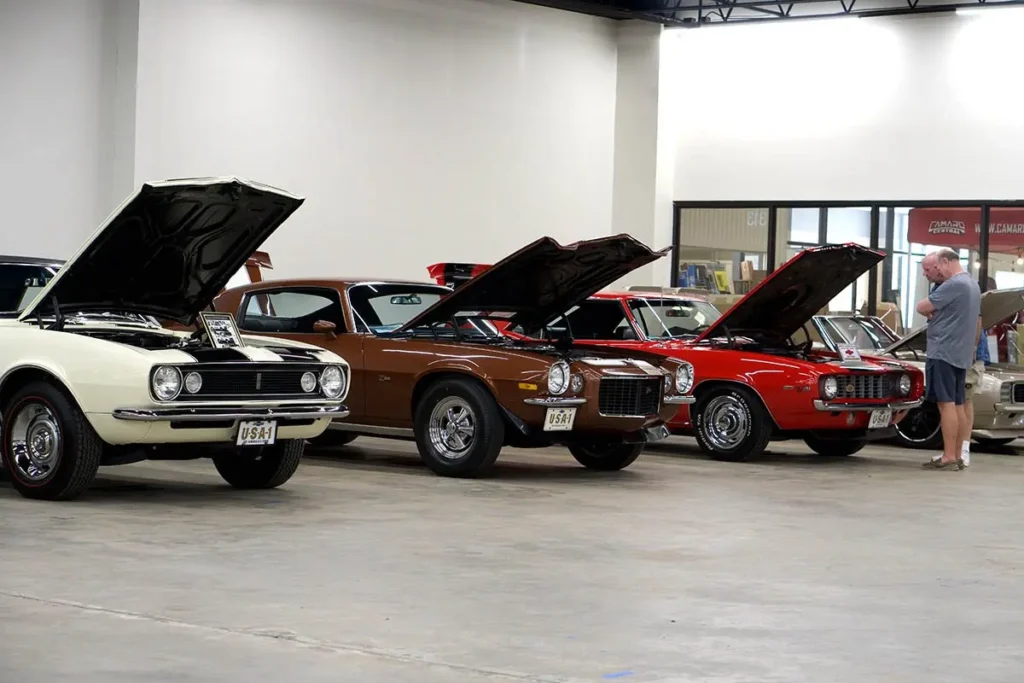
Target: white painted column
(119,86)
(645,141)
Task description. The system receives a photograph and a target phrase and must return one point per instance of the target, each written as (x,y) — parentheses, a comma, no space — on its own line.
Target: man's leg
(941,383)
(965,414)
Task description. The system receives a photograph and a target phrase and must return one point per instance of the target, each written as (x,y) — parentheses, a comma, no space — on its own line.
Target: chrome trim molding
(555,401)
(684,400)
(860,407)
(371,430)
(1009,407)
(229,413)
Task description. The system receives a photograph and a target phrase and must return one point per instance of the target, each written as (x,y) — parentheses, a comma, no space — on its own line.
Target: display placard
(222,330)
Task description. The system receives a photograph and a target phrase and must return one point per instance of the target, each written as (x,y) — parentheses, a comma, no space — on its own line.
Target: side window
(290,311)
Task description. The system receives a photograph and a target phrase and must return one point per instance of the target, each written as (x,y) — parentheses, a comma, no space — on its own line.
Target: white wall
(854,109)
(418,130)
(57,61)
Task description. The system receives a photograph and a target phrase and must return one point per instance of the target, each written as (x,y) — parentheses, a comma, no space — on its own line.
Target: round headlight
(166,383)
(558,378)
(830,387)
(193,382)
(577,384)
(308,382)
(904,384)
(684,378)
(332,381)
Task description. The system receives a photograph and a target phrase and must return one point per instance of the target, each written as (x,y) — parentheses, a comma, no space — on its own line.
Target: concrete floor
(365,567)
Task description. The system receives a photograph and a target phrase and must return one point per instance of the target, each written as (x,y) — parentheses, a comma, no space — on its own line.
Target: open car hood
(792,294)
(169,249)
(996,306)
(541,281)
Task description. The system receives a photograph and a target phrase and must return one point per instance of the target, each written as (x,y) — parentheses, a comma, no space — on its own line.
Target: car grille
(869,386)
(632,396)
(1018,393)
(250,381)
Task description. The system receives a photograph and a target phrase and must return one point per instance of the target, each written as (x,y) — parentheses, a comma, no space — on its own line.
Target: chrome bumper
(555,401)
(1009,407)
(680,400)
(217,413)
(862,407)
(656,433)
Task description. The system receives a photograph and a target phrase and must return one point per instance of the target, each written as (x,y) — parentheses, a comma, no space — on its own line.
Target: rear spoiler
(455,274)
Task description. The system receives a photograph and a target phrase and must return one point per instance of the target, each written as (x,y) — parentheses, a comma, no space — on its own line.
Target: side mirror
(325,326)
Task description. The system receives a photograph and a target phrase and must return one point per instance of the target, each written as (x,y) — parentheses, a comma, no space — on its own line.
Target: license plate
(559,419)
(880,419)
(256,433)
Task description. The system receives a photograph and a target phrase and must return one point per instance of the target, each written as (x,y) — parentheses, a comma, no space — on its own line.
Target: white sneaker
(965,454)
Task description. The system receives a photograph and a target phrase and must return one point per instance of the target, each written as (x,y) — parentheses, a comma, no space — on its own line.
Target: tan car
(428,365)
(998,399)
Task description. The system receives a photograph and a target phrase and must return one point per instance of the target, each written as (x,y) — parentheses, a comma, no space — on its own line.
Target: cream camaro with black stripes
(89,377)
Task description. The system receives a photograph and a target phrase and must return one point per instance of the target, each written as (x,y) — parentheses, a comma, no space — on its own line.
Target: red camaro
(754,372)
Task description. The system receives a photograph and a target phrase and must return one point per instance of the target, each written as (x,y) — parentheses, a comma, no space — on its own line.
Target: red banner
(960,228)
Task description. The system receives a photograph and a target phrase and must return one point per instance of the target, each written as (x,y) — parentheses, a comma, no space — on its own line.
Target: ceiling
(698,13)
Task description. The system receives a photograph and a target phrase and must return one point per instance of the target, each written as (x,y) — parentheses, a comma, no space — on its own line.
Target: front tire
(50,450)
(459,430)
(266,467)
(731,424)
(606,457)
(833,448)
(920,428)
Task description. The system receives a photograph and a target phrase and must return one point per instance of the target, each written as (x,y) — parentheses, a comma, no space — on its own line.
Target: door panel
(391,369)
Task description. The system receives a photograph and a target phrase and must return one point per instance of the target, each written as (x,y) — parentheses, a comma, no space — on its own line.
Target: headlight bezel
(342,382)
(683,381)
(566,373)
(157,372)
(905,378)
(826,382)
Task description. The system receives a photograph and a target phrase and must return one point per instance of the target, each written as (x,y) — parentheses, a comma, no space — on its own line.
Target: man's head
(939,266)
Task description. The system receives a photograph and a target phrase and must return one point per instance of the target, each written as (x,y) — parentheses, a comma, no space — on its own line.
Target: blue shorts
(945,383)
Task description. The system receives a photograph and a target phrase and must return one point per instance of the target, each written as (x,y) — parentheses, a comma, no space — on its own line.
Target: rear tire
(730,424)
(266,467)
(459,430)
(606,457)
(50,450)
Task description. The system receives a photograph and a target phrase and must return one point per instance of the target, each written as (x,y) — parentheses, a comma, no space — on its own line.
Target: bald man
(953,310)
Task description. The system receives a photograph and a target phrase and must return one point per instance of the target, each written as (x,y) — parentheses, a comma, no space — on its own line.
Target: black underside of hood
(169,249)
(542,281)
(788,298)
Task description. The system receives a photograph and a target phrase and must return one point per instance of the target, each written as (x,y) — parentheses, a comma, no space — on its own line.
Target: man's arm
(935,301)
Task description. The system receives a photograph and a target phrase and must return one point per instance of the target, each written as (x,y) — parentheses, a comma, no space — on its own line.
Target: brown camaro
(427,363)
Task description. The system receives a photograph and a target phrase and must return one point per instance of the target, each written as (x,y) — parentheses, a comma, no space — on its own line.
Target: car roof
(337,283)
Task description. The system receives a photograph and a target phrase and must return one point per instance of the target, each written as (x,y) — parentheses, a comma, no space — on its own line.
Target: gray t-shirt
(954,326)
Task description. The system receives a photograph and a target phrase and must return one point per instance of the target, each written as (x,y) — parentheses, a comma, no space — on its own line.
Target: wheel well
(704,387)
(22,376)
(433,378)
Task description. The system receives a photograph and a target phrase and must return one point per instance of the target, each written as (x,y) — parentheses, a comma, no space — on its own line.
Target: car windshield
(381,308)
(863,333)
(20,283)
(672,318)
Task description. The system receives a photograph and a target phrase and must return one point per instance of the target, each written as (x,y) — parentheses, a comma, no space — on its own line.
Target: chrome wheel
(726,422)
(921,426)
(35,442)
(452,427)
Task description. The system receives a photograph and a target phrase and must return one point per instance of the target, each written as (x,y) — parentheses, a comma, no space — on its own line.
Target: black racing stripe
(294,355)
(209,355)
